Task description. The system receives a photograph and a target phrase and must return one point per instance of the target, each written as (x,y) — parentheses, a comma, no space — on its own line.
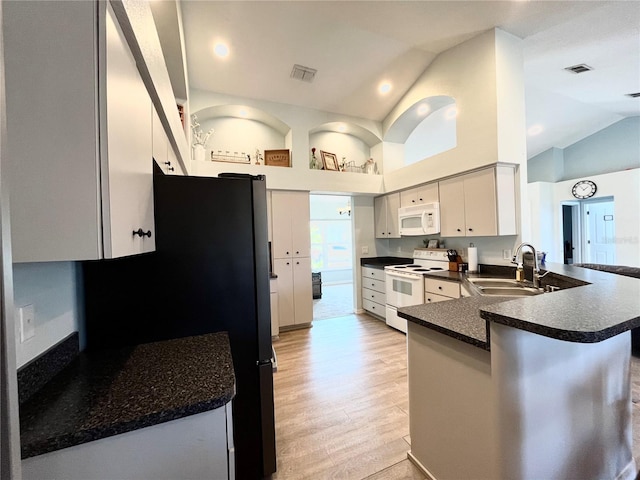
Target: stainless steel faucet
(536,268)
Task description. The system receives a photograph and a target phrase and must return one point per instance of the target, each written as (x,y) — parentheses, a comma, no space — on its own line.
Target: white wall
(435,134)
(52,289)
(546,213)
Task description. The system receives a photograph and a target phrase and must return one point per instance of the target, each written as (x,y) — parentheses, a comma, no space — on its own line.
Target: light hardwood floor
(341,402)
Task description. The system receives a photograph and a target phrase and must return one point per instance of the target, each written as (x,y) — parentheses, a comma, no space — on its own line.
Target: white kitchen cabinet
(79,122)
(290,224)
(374,291)
(163,153)
(479,204)
(291,246)
(386,215)
(196,446)
(295,293)
(440,290)
(427,193)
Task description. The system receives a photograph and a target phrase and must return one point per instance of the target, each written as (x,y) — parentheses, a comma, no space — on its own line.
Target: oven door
(404,290)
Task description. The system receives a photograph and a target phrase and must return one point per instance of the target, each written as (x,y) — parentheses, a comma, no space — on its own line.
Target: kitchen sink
(504,287)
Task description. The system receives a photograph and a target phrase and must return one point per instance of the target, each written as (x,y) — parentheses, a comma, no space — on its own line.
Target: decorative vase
(198,152)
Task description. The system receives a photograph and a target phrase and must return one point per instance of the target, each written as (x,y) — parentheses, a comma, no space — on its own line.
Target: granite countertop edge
(446,331)
(577,313)
(102,393)
(79,437)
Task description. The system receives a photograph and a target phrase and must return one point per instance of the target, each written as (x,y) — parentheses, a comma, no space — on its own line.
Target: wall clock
(584,189)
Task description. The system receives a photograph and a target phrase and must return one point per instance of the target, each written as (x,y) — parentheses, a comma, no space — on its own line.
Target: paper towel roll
(472,253)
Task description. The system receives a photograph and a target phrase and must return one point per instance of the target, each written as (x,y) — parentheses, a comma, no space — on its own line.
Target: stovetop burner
(423,269)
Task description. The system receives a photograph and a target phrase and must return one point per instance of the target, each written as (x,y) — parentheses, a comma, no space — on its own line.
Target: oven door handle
(404,275)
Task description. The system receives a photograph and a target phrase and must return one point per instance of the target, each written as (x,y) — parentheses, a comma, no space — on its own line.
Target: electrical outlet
(27,323)
(365,249)
(506,254)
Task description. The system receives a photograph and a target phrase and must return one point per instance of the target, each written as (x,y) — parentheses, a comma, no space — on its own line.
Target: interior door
(600,232)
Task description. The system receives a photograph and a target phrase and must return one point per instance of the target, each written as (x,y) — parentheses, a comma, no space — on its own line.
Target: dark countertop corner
(108,392)
(381,262)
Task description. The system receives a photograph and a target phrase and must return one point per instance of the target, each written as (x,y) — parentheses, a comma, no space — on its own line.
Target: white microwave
(419,219)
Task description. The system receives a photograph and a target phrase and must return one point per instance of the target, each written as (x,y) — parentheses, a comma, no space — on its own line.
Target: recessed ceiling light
(451,113)
(423,109)
(385,87)
(534,130)
(342,128)
(221,50)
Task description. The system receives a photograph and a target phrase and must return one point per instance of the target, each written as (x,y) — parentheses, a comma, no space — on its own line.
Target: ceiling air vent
(633,95)
(579,68)
(305,74)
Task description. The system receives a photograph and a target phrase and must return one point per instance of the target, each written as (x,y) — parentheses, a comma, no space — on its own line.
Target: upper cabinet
(163,153)
(386,215)
(479,204)
(80,135)
(290,224)
(427,193)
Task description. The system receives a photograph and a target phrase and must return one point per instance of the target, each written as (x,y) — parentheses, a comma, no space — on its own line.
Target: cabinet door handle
(287,253)
(428,300)
(372,273)
(420,199)
(297,252)
(471,229)
(288,263)
(142,233)
(458,230)
(439,288)
(297,263)
(170,169)
(373,296)
(167,163)
(373,284)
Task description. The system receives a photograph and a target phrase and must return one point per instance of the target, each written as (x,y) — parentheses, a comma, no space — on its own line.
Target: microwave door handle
(423,221)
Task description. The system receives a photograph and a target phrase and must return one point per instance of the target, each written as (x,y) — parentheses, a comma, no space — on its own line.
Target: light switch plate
(365,249)
(506,254)
(27,323)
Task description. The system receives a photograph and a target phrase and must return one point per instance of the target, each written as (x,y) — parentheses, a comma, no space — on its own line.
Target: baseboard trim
(420,467)
(359,311)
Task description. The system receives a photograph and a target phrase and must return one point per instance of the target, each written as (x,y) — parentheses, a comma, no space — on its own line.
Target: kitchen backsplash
(490,249)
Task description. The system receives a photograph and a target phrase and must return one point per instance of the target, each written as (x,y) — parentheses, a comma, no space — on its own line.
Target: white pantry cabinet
(479,204)
(291,246)
(295,291)
(386,215)
(290,224)
(427,193)
(79,123)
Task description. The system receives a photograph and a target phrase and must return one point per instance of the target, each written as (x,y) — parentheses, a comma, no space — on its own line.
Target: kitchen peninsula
(529,387)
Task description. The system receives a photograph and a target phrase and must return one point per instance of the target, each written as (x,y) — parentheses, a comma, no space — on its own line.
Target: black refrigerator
(209,273)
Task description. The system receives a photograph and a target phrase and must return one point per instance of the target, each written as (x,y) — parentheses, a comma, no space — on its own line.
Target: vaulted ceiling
(355,45)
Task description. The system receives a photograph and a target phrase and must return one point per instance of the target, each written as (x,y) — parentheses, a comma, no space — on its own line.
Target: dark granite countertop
(381,262)
(108,392)
(602,305)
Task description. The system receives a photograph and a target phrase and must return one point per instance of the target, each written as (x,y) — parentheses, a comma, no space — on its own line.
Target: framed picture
(432,244)
(330,161)
(277,158)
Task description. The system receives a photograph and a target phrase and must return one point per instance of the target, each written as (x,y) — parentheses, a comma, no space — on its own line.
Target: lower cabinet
(197,446)
(440,290)
(373,291)
(295,293)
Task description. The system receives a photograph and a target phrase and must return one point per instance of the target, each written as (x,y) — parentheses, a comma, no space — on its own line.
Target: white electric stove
(405,283)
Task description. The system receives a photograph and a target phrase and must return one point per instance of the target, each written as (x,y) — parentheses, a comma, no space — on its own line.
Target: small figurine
(313,164)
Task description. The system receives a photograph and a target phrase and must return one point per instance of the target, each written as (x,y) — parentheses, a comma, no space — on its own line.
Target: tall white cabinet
(291,249)
(79,122)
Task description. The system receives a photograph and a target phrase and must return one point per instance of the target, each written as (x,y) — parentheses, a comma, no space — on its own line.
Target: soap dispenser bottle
(520,273)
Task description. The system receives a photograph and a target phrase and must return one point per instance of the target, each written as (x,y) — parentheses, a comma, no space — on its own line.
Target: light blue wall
(546,167)
(613,149)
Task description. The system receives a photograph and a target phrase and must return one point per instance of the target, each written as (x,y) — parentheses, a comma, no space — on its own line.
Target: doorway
(588,231)
(331,255)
